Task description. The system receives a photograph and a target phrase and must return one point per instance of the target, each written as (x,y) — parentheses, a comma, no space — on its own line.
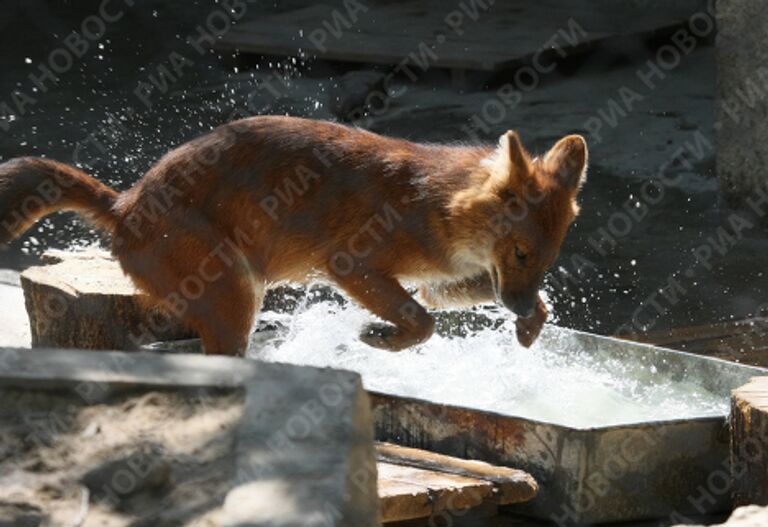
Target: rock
(741,127)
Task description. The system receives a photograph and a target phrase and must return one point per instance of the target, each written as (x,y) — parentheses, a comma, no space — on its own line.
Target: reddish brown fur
(270,199)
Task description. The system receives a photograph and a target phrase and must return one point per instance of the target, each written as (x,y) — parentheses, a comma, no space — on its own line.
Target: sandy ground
(153,459)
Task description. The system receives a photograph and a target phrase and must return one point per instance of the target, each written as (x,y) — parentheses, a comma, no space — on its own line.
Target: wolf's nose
(521,308)
(523,311)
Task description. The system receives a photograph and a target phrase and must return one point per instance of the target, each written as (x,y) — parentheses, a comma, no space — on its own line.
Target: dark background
(75,121)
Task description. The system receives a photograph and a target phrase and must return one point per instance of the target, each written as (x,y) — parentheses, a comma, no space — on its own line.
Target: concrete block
(281,455)
(304,446)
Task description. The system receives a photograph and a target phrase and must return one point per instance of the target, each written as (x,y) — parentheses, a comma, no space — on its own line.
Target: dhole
(270,199)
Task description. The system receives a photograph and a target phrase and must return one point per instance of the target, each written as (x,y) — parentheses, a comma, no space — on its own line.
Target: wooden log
(512,485)
(83,300)
(749,442)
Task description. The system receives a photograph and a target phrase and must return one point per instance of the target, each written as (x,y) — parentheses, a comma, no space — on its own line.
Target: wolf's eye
(520,254)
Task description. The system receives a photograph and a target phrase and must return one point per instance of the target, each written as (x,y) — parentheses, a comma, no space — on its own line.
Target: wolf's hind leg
(215,293)
(224,315)
(386,298)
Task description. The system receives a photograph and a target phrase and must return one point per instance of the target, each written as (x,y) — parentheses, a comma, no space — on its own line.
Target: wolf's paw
(380,336)
(528,329)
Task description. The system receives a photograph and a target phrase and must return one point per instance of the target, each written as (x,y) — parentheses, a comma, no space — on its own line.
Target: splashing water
(488,370)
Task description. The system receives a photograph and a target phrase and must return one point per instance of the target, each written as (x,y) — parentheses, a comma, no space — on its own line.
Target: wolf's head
(527,205)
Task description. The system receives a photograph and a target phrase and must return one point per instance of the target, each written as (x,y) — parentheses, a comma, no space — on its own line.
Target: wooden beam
(512,485)
(744,341)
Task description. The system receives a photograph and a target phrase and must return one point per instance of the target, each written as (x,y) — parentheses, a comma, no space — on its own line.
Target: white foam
(488,370)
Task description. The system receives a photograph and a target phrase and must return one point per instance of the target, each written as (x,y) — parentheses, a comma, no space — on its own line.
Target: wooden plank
(407,493)
(744,341)
(705,331)
(512,485)
(415,483)
(504,34)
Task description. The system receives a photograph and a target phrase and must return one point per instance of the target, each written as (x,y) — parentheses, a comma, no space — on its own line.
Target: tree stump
(749,442)
(83,300)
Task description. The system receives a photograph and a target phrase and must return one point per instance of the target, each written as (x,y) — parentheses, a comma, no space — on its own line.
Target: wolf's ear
(511,145)
(567,161)
(510,163)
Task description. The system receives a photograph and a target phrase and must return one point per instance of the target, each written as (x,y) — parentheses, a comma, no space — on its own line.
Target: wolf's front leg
(478,290)
(463,293)
(387,299)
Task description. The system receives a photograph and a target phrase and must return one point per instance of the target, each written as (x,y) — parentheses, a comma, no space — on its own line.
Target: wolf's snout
(523,307)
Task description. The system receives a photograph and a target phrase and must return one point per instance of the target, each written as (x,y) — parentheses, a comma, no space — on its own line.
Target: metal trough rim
(635,424)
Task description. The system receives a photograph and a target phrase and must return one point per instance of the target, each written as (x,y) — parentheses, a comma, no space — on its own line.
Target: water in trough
(488,370)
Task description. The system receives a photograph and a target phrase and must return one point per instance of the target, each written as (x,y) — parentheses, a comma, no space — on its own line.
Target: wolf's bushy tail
(31,188)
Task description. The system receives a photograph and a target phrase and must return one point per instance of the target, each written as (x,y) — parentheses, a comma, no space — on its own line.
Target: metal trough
(643,470)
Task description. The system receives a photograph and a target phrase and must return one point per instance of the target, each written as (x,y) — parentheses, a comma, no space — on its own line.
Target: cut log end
(749,439)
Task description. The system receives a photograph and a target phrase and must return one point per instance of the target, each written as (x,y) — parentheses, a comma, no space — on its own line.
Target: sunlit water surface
(488,370)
